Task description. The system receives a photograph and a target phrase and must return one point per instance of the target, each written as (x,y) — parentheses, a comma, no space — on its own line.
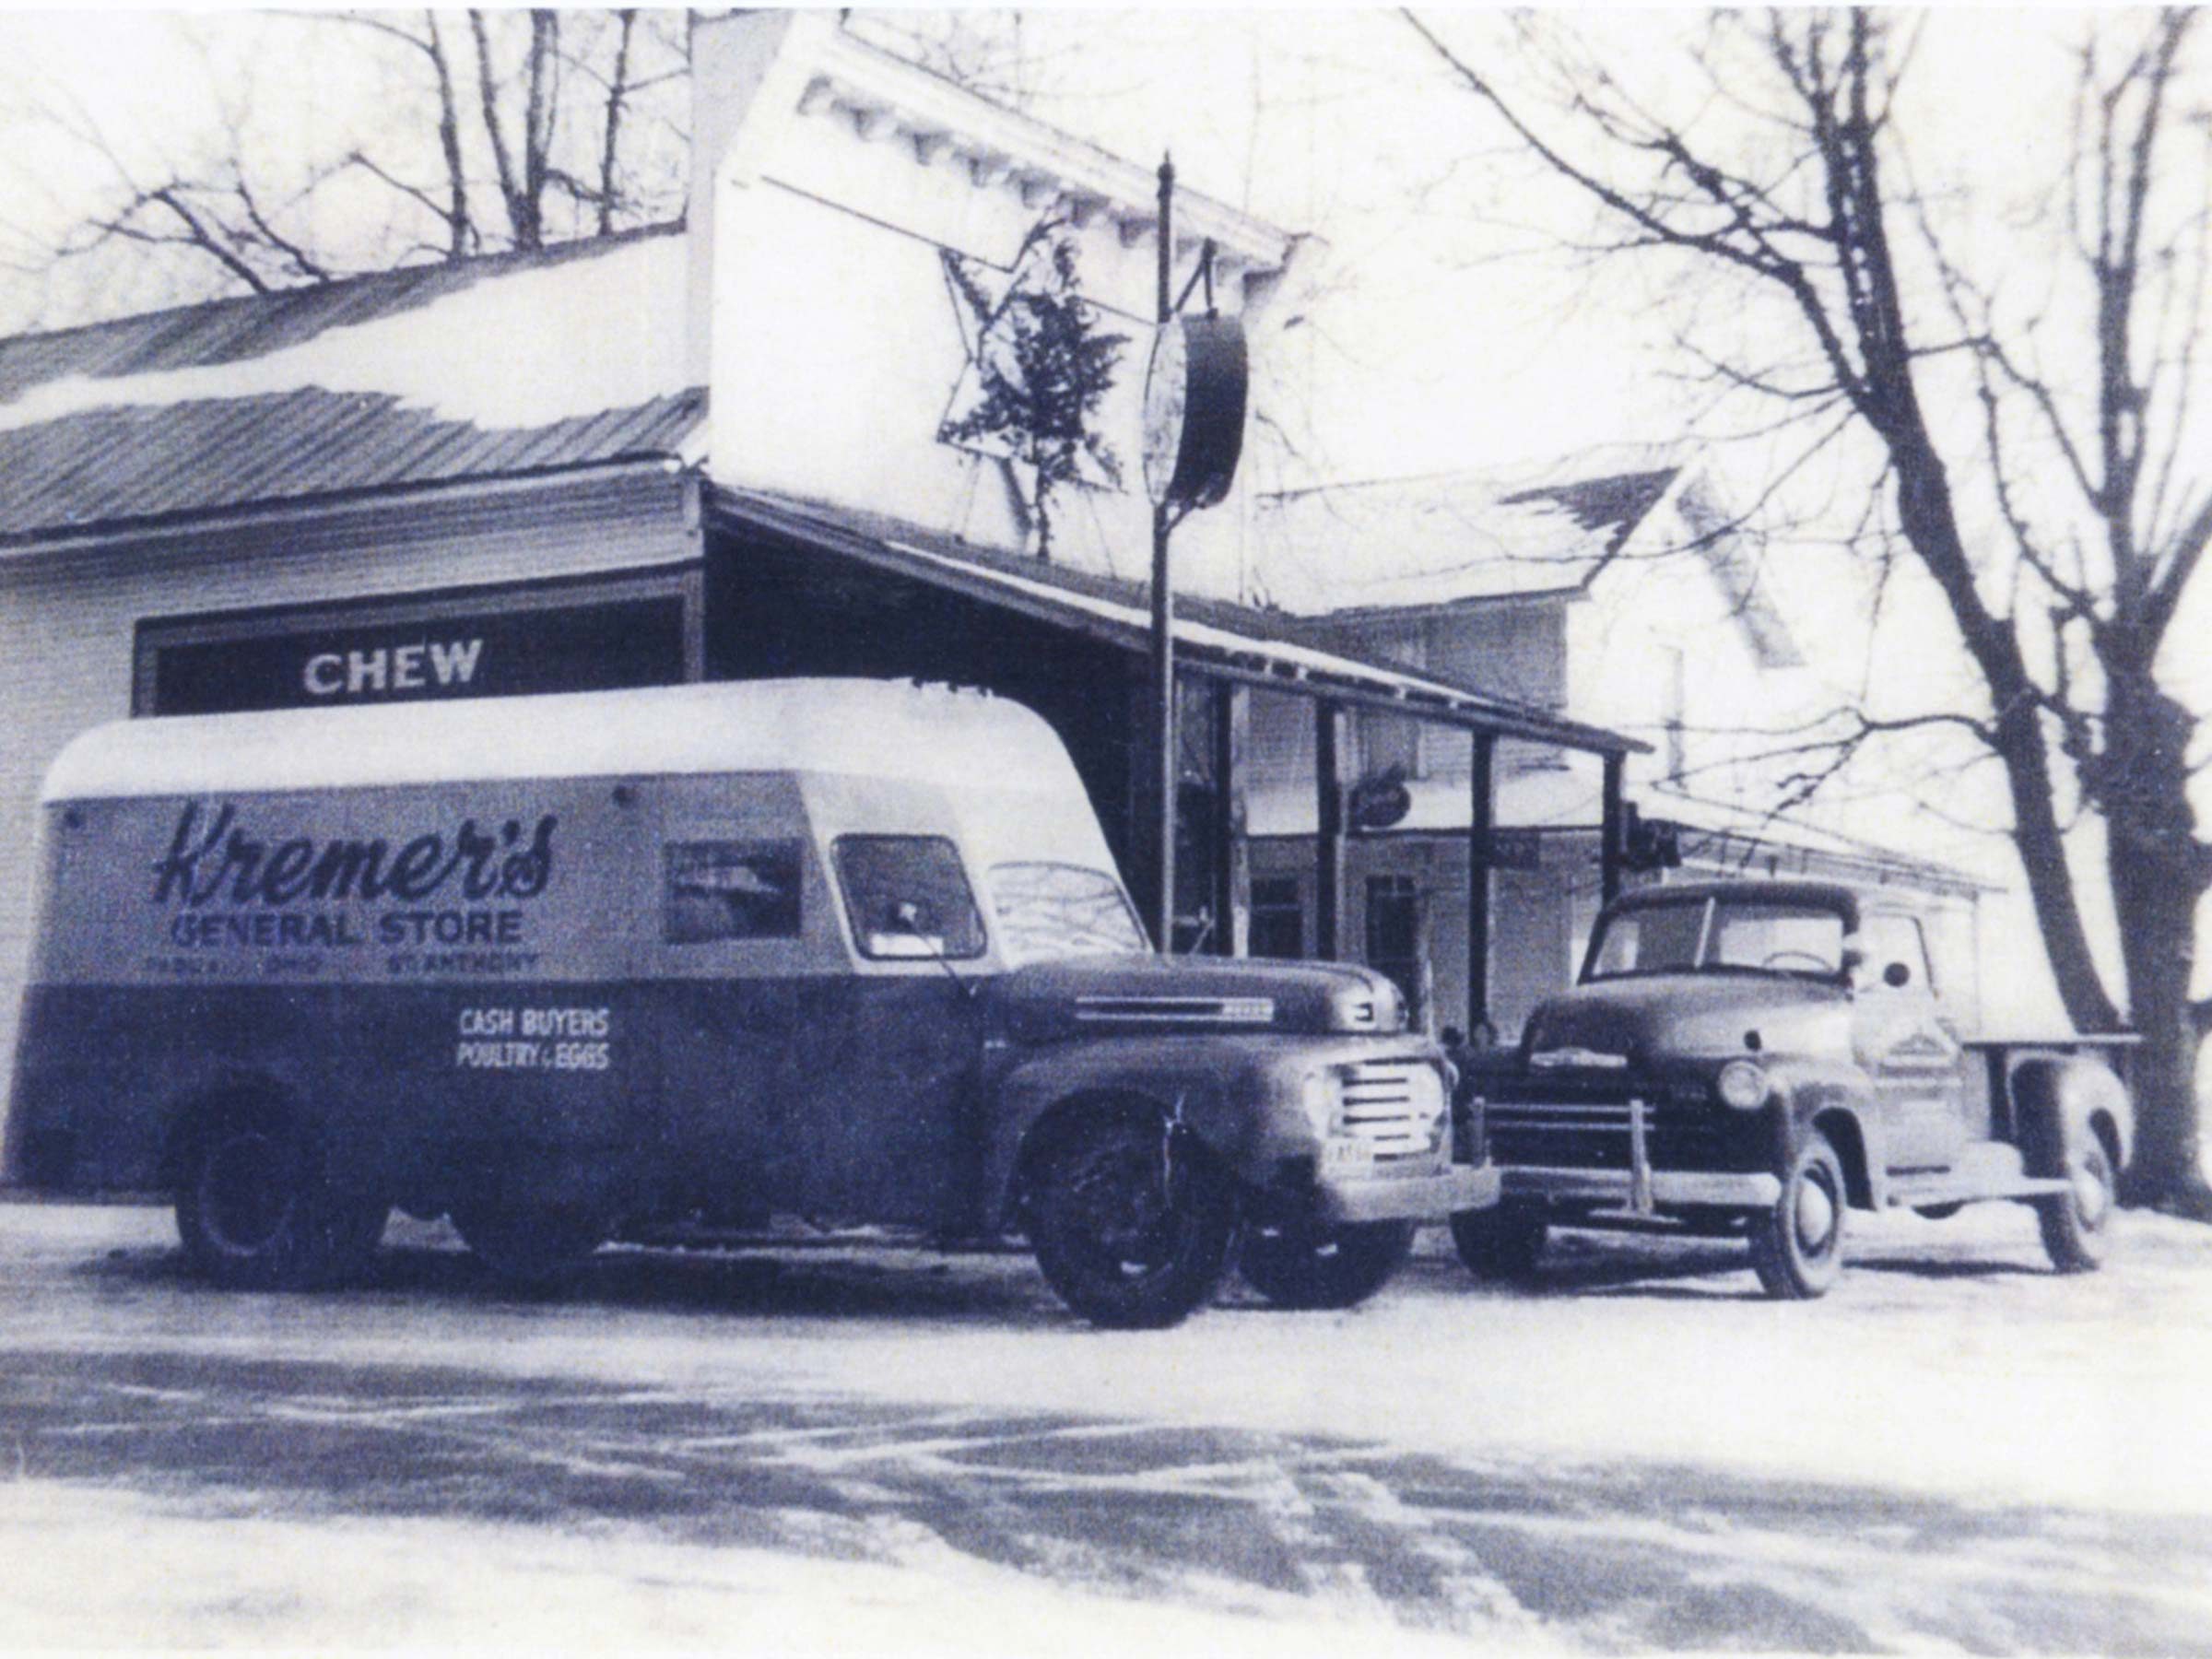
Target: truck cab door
(887,1134)
(1906,1048)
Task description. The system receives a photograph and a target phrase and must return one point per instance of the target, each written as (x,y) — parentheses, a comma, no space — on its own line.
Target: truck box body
(621,961)
(487,938)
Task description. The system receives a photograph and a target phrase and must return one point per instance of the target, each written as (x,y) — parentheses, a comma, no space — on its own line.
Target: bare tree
(486,130)
(2063,526)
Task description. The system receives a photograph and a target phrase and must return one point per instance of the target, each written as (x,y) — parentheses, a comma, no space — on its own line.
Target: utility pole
(1163,616)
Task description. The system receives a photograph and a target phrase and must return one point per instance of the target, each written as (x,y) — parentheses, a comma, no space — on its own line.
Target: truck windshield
(1048,910)
(1719,934)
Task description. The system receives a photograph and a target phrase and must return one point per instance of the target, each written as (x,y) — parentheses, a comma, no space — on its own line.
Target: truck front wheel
(2076,1224)
(1131,1228)
(1502,1243)
(1301,1265)
(1797,1246)
(255,1212)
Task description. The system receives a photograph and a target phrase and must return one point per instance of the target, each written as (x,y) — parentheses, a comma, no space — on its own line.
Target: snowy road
(891,1452)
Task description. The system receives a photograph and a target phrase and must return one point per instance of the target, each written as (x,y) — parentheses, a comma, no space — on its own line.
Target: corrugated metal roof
(251,326)
(162,414)
(131,463)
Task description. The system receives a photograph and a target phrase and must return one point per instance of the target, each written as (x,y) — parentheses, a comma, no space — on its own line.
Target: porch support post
(1481,820)
(1231,715)
(1611,824)
(1329,744)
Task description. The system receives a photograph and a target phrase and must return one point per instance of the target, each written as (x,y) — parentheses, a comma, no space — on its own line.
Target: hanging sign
(1194,398)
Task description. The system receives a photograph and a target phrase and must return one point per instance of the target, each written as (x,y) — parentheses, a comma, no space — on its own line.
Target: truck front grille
(1396,1107)
(1592,1132)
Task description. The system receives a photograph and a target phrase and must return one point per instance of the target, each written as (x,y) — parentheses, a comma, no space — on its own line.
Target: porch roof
(1233,641)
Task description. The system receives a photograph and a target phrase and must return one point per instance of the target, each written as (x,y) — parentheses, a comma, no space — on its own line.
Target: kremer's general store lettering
(223,860)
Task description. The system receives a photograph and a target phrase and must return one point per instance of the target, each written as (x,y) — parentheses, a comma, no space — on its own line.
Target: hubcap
(2091,1196)
(1816,1216)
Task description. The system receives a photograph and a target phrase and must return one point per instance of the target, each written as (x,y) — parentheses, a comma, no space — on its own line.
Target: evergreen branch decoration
(1044,365)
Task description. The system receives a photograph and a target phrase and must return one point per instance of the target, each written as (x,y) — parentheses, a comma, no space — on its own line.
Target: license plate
(1347,1155)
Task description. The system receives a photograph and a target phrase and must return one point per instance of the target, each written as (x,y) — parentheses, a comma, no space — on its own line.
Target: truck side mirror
(1897,976)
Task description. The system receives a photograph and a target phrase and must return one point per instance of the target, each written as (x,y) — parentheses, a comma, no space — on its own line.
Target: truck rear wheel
(1296,1266)
(1500,1243)
(2076,1224)
(255,1213)
(527,1248)
(1797,1246)
(1131,1231)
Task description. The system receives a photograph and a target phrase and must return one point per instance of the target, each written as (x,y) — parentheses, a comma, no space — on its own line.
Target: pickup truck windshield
(1048,910)
(1700,935)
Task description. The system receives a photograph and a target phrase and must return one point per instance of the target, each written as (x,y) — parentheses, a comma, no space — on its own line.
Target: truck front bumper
(1409,1198)
(1643,1191)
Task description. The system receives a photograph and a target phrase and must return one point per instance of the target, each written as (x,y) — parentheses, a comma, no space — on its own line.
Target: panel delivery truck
(663,963)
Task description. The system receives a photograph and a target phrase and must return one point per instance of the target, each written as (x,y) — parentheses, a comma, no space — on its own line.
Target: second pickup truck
(1759,1058)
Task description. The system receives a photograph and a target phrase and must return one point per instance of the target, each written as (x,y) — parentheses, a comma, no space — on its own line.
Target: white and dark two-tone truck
(625,964)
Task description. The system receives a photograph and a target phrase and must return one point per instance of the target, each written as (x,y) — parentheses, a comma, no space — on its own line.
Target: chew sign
(599,646)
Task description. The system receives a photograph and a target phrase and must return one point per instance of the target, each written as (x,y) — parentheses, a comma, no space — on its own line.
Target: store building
(712,451)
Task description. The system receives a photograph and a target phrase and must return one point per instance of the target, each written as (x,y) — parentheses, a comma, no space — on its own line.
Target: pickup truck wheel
(1500,1243)
(255,1212)
(1130,1234)
(2076,1224)
(1297,1266)
(529,1249)
(1797,1246)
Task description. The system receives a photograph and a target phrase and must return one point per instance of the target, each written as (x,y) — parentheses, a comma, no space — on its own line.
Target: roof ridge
(555,254)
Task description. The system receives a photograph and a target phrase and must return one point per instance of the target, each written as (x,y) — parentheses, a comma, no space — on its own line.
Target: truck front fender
(1836,1100)
(1239,1098)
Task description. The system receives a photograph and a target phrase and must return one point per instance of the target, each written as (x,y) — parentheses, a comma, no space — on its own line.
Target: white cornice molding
(882,96)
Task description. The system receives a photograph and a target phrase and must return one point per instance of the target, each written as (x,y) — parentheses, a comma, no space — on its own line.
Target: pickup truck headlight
(1321,1094)
(1741,1085)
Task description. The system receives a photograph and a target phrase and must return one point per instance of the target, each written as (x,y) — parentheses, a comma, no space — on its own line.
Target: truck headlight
(1741,1085)
(1321,1094)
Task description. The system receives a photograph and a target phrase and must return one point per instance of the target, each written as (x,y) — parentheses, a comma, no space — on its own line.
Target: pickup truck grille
(1587,1128)
(1396,1107)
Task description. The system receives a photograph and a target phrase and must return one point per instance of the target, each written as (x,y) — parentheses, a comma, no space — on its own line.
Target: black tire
(2076,1224)
(527,1249)
(255,1212)
(1797,1246)
(1501,1243)
(1129,1236)
(1297,1266)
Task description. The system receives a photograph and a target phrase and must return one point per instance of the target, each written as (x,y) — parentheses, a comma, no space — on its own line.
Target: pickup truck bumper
(1409,1198)
(1643,1191)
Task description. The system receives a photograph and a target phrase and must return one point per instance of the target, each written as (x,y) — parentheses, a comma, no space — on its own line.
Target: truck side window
(908,897)
(738,889)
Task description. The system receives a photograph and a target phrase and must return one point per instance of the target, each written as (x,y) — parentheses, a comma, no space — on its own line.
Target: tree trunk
(2141,781)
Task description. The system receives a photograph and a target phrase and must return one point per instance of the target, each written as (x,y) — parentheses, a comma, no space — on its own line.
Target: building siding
(67,617)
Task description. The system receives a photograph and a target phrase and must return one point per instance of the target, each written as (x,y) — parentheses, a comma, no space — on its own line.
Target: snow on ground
(1951,1360)
(193,1582)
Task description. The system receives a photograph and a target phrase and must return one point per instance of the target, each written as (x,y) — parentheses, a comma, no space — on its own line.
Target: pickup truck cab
(663,964)
(1761,1057)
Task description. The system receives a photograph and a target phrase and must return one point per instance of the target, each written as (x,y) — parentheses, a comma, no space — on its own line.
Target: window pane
(740,889)
(1048,910)
(907,897)
(1278,918)
(1792,939)
(1652,940)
